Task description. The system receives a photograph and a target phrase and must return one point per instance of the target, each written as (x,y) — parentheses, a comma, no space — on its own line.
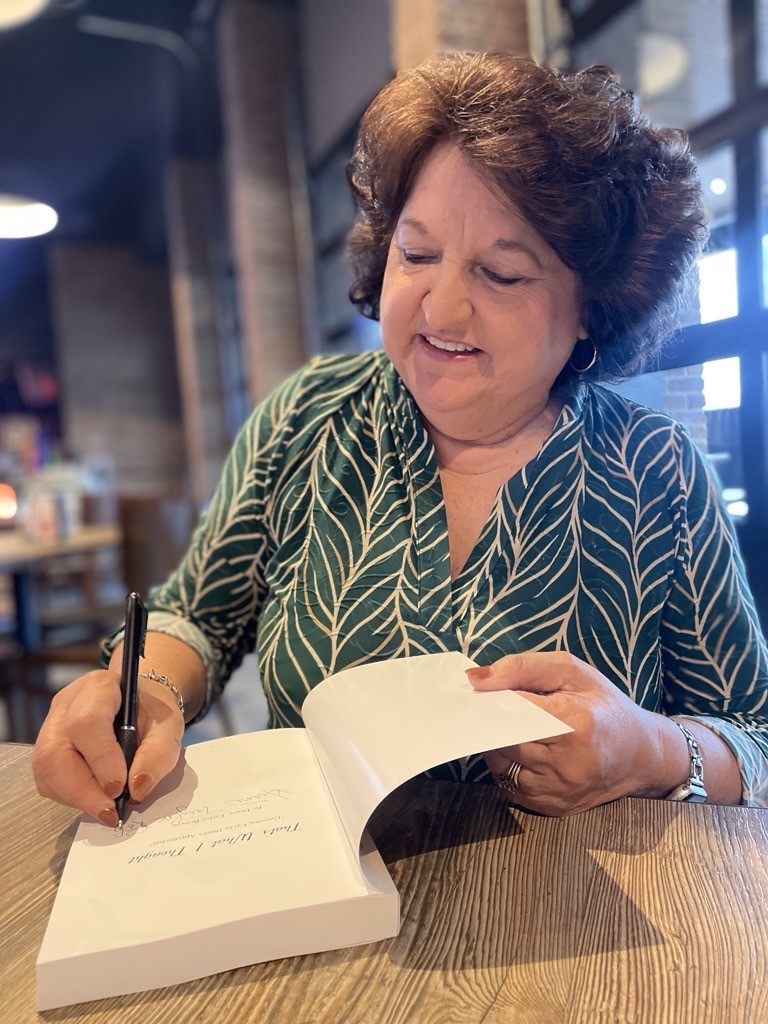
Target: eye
(417,257)
(498,279)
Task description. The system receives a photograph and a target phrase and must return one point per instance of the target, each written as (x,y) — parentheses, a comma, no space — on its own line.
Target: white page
(376,726)
(251,808)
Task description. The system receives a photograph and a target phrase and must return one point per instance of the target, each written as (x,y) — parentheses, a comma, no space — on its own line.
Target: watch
(692,790)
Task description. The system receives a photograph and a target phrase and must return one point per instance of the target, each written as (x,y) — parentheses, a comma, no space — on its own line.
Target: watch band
(692,790)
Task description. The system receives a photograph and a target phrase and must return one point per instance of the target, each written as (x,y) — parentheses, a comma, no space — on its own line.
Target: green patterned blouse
(326,546)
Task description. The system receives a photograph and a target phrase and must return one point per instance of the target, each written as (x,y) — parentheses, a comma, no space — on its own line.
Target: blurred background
(173,222)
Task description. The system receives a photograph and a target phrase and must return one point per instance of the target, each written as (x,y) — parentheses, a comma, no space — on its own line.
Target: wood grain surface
(640,912)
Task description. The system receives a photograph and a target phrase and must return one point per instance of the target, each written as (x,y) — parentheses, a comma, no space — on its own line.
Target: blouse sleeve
(714,655)
(212,600)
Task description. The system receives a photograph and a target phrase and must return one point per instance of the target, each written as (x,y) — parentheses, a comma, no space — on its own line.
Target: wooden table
(18,552)
(640,912)
(19,558)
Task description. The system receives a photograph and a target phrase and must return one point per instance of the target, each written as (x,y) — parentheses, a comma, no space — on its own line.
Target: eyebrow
(509,245)
(504,244)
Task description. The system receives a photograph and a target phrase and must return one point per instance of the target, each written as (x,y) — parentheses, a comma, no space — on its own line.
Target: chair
(156,531)
(18,712)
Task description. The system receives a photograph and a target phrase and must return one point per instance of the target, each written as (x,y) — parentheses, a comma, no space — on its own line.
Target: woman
(521,234)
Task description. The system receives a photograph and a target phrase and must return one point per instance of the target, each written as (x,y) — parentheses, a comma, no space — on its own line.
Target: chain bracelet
(165,681)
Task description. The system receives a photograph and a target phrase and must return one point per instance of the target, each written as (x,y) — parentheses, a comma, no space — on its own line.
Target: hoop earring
(592,361)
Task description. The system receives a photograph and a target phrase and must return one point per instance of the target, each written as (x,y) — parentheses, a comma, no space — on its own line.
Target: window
(761,17)
(702,65)
(718,295)
(674,55)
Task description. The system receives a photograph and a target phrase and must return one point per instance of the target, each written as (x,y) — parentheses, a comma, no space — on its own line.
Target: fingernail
(108,817)
(141,783)
(114,789)
(476,675)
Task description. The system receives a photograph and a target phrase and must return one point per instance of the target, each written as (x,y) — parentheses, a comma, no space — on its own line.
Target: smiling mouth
(452,347)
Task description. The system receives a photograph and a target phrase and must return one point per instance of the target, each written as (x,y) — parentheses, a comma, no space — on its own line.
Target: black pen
(125,720)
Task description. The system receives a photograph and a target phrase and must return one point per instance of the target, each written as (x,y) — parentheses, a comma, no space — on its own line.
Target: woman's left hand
(615,748)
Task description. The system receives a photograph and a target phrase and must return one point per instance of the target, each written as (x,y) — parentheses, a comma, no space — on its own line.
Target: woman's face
(478,314)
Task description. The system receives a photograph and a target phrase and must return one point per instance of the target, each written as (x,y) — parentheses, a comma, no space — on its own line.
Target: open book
(255,847)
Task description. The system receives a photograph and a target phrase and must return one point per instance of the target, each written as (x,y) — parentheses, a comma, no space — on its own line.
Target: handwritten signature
(184,814)
(281,794)
(181,816)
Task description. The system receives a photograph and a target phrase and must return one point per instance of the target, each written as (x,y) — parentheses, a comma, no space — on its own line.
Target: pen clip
(135,630)
(143,630)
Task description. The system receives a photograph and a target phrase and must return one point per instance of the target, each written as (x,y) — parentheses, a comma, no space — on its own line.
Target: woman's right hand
(77,760)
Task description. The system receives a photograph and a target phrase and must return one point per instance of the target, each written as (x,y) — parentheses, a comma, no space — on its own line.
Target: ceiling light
(16,12)
(718,186)
(25,218)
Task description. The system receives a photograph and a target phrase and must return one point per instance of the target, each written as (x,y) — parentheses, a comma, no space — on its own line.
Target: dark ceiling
(95,95)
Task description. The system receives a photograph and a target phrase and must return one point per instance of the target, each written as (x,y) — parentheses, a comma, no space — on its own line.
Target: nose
(447,304)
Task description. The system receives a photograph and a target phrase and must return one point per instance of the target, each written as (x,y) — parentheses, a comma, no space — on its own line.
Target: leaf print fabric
(326,547)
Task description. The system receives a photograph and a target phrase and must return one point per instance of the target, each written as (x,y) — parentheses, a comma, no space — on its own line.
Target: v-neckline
(441,598)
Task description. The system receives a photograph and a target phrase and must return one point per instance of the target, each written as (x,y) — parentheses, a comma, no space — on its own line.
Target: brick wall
(684,400)
(422,28)
(256,57)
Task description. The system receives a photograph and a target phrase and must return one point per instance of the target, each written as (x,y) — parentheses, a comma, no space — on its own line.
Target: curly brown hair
(618,200)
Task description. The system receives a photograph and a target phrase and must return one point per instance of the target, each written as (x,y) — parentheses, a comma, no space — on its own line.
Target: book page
(376,726)
(250,849)
(244,827)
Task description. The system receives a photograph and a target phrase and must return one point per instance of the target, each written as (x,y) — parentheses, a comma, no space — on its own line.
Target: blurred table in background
(59,609)
(66,595)
(21,559)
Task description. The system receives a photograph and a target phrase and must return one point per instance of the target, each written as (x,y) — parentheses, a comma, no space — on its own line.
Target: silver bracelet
(692,790)
(165,681)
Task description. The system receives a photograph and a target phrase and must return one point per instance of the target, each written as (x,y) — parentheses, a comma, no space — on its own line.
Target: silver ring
(508,782)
